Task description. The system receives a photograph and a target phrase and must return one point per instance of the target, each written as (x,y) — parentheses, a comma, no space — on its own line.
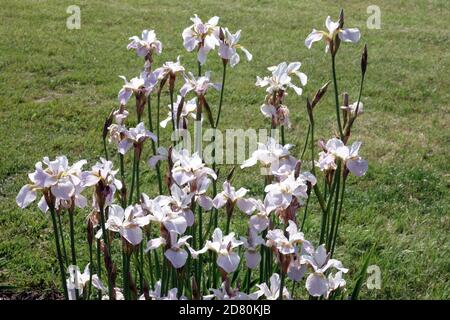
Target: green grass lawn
(57,86)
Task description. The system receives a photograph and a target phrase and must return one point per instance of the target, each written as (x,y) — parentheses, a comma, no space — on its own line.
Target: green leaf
(362,275)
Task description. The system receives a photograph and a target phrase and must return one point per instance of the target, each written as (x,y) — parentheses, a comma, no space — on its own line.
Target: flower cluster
(178,244)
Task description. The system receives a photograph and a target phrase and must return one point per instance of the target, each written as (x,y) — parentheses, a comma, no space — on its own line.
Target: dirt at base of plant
(31,294)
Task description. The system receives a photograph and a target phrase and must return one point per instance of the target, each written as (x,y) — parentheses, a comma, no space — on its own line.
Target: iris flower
(223,246)
(228,46)
(135,136)
(280,79)
(203,36)
(127,222)
(335,148)
(272,292)
(199,85)
(229,196)
(317,283)
(147,44)
(144,84)
(251,244)
(62,180)
(334,30)
(175,252)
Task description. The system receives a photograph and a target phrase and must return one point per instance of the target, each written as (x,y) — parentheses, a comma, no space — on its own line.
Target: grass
(57,86)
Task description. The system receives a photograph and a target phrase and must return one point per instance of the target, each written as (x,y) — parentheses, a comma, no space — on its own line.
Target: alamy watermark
(374,20)
(74,20)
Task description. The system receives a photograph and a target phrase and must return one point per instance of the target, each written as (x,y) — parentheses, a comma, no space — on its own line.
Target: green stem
(158,105)
(125,271)
(313,170)
(200,244)
(283,141)
(304,214)
(99,267)
(335,209)
(323,228)
(141,267)
(262,262)
(90,272)
(306,142)
(338,219)
(283,276)
(222,90)
(133,177)
(227,229)
(138,193)
(58,253)
(293,289)
(105,149)
(61,233)
(171,110)
(106,240)
(336,96)
(72,249)
(122,177)
(150,126)
(249,280)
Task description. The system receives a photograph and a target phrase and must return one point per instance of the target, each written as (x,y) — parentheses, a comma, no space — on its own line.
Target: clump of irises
(178,243)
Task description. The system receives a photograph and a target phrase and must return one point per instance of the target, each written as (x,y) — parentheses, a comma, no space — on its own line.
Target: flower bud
(230,175)
(90,232)
(309,109)
(108,122)
(364,60)
(341,19)
(319,94)
(298,166)
(141,101)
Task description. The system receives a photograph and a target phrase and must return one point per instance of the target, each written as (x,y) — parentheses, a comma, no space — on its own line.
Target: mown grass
(57,86)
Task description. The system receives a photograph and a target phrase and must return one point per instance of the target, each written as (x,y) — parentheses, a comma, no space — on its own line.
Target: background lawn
(58,85)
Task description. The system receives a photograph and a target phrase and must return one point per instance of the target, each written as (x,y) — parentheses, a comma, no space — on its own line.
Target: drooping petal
(259,223)
(63,189)
(246,205)
(124,146)
(177,224)
(25,196)
(124,95)
(205,202)
(296,271)
(252,259)
(350,35)
(248,55)
(176,257)
(42,205)
(155,244)
(358,167)
(133,235)
(316,284)
(228,262)
(314,36)
(234,59)
(219,201)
